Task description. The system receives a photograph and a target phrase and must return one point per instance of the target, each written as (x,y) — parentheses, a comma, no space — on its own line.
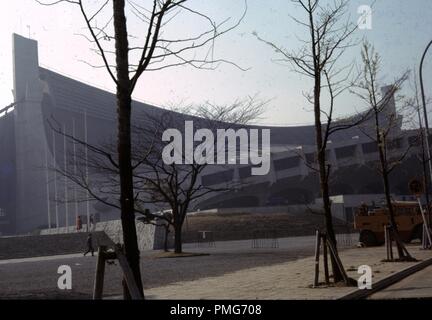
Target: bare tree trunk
(385,177)
(323,175)
(329,228)
(124,103)
(178,248)
(179,217)
(386,183)
(166,238)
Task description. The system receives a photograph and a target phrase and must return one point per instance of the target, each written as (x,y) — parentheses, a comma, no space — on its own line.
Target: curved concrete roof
(76,96)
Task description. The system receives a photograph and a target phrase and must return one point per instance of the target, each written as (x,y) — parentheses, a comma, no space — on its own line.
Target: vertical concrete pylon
(30,137)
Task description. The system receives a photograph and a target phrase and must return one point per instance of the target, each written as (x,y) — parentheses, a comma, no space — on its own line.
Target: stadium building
(29,190)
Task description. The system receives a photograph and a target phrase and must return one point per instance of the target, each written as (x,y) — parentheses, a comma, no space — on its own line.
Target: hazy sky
(401,30)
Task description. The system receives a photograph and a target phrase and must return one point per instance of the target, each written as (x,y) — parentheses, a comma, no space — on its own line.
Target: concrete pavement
(286,280)
(418,285)
(231,270)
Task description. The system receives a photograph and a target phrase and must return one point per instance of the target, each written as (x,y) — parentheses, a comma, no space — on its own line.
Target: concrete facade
(31,192)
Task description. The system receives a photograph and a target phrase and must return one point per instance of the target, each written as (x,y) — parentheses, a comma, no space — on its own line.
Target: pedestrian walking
(78,223)
(89,245)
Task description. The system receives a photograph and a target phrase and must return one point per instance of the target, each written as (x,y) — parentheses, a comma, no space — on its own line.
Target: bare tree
(179,185)
(155,52)
(329,34)
(386,125)
(157,184)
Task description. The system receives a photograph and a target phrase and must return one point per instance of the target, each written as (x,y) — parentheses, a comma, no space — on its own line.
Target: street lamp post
(425,113)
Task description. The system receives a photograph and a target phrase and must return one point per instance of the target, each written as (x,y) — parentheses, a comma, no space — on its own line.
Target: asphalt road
(418,285)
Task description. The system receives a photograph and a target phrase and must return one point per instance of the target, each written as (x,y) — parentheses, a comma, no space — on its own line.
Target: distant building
(28,146)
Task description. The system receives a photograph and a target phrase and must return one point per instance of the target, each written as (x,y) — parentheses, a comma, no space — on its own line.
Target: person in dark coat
(89,245)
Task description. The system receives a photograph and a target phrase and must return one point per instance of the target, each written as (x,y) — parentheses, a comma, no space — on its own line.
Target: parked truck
(370,222)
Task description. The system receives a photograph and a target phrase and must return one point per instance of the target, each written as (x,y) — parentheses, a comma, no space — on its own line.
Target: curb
(386,282)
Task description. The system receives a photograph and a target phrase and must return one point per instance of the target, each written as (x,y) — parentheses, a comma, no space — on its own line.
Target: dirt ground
(239,226)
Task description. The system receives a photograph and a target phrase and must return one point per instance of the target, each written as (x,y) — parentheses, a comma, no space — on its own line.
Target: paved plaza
(231,270)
